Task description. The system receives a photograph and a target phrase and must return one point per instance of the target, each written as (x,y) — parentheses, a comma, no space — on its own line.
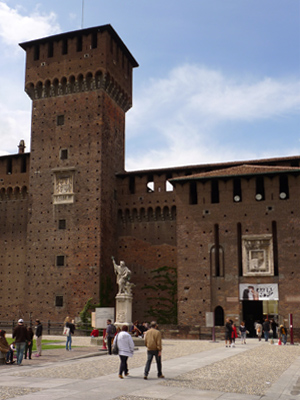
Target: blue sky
(218,80)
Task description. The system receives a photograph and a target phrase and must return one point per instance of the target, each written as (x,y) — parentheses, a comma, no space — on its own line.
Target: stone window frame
(262,244)
(63,185)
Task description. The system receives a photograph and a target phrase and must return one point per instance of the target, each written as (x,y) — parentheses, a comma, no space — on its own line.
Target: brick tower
(80,84)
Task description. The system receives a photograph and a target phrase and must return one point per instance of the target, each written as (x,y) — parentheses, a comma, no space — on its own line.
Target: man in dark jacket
(38,334)
(20,335)
(266,329)
(110,334)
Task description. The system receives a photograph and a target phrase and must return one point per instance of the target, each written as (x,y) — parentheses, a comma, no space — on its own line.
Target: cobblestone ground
(251,372)
(105,365)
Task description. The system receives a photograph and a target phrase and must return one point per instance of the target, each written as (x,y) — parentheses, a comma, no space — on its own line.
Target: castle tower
(80,84)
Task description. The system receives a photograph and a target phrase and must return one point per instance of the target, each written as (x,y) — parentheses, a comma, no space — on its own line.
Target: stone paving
(248,371)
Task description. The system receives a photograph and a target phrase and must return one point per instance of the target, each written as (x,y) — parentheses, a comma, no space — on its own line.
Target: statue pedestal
(123,310)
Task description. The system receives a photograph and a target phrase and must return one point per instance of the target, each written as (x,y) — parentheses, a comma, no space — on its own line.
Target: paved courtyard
(193,369)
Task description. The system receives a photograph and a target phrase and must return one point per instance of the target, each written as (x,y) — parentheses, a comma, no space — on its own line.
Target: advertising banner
(261,291)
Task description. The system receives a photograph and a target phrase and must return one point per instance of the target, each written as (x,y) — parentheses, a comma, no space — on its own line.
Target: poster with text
(261,291)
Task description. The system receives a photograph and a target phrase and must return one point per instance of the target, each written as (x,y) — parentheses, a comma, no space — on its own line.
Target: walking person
(38,334)
(243,332)
(110,334)
(233,334)
(125,344)
(266,329)
(20,336)
(69,324)
(154,347)
(258,329)
(282,333)
(29,343)
(228,332)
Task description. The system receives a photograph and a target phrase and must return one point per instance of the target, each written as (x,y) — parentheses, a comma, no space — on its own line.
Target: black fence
(49,327)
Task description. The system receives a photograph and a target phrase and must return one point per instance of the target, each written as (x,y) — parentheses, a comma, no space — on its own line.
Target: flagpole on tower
(82,13)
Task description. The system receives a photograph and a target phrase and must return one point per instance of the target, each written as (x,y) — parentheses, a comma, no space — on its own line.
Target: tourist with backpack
(110,334)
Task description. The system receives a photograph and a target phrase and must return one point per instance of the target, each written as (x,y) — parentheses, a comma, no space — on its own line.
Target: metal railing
(49,327)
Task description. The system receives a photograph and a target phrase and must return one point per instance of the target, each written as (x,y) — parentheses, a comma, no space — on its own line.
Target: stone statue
(123,277)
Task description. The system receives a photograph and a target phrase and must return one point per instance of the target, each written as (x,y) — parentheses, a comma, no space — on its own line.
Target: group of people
(138,330)
(231,333)
(22,342)
(122,340)
(268,328)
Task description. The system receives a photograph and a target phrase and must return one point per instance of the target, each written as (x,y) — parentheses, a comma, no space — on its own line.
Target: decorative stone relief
(63,187)
(258,255)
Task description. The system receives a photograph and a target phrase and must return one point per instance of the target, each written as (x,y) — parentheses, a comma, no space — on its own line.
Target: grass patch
(46,344)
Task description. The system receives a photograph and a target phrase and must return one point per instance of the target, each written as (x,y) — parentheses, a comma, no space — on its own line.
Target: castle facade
(231,230)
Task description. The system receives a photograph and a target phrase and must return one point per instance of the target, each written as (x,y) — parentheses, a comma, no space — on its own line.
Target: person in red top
(233,334)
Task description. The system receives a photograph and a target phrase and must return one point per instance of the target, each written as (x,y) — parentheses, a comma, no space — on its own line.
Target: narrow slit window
(64,154)
(62,224)
(60,261)
(59,301)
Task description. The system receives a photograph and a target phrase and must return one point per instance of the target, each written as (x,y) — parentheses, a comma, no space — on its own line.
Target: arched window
(166,213)
(39,89)
(219,316)
(47,88)
(72,83)
(89,79)
(9,192)
(24,192)
(64,85)
(150,214)
(158,214)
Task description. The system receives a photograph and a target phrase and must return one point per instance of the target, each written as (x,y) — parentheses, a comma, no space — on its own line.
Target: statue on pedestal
(123,277)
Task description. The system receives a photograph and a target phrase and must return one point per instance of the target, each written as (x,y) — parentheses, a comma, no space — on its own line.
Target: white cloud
(187,111)
(15,27)
(14,126)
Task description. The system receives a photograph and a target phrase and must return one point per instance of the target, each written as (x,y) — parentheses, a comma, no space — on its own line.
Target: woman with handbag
(69,330)
(124,343)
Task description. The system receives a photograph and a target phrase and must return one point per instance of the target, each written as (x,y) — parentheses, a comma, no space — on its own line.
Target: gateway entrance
(258,310)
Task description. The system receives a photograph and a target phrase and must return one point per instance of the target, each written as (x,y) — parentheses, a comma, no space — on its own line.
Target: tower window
(132,184)
(283,187)
(59,301)
(9,166)
(193,193)
(79,43)
(215,191)
(60,120)
(50,49)
(60,261)
(62,224)
(237,190)
(260,189)
(36,54)
(94,40)
(64,154)
(23,165)
(65,46)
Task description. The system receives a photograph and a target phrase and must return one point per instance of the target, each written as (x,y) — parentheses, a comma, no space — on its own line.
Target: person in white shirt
(125,344)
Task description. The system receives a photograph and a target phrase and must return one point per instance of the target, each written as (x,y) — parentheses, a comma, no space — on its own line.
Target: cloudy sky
(218,80)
